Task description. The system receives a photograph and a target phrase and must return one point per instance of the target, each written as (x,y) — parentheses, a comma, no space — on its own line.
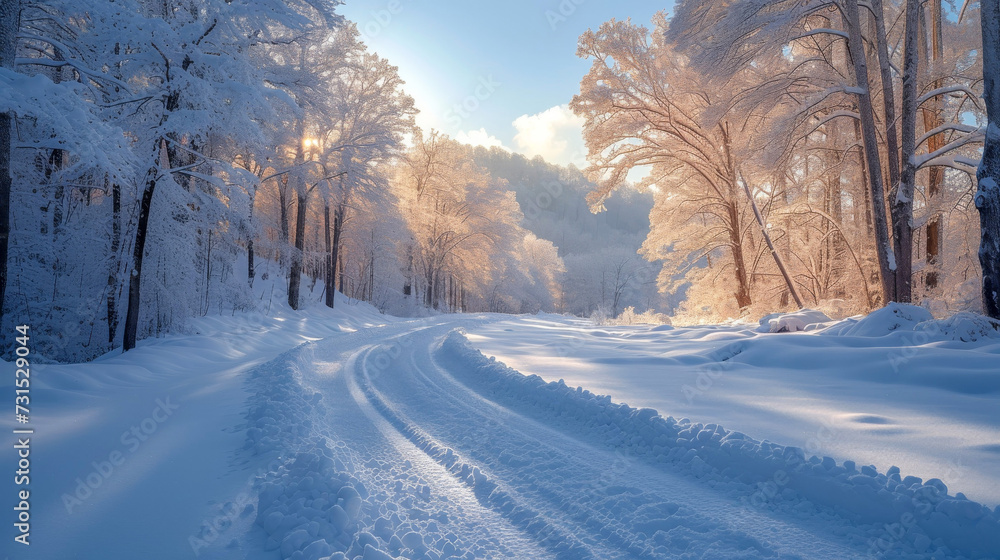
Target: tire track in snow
(434,472)
(343,482)
(563,545)
(566,480)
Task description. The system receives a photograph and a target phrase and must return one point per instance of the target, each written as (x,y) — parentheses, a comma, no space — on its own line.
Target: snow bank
(792,322)
(904,318)
(962,327)
(895,317)
(918,516)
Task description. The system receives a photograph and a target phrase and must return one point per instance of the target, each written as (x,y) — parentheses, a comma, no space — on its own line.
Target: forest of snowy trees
(159,157)
(856,131)
(165,155)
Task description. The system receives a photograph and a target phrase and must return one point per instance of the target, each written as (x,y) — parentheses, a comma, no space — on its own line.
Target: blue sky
(476,67)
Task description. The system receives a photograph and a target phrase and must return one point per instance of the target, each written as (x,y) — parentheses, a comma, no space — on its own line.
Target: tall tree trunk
(408,281)
(866,191)
(870,141)
(988,175)
(283,205)
(371,271)
(335,260)
(10,22)
(295,275)
(138,250)
(902,197)
(888,95)
(340,271)
(116,235)
(295,272)
(251,273)
(735,226)
(430,294)
(328,279)
(739,262)
(933,119)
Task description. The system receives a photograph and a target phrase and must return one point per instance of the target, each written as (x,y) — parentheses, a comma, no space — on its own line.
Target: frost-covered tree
(725,37)
(645,108)
(370,114)
(130,115)
(468,247)
(553,200)
(191,92)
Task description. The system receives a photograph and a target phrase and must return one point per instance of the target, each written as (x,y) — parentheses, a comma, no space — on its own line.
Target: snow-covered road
(458,457)
(376,438)
(575,498)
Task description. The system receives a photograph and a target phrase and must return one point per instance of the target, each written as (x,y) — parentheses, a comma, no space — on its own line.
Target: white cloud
(480,138)
(556,134)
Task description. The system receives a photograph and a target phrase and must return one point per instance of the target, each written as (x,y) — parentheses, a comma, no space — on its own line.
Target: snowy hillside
(349,434)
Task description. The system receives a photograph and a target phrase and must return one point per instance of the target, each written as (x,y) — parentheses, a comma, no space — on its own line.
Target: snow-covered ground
(895,389)
(347,434)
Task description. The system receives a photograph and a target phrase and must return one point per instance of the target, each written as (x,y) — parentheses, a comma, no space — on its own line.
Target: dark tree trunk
(335,260)
(866,191)
(295,278)
(429,293)
(328,279)
(340,270)
(739,262)
(116,235)
(408,283)
(870,140)
(888,95)
(283,204)
(10,22)
(251,273)
(934,45)
(735,226)
(902,199)
(55,164)
(135,275)
(988,194)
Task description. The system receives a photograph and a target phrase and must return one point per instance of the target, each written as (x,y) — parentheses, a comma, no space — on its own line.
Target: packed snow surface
(348,434)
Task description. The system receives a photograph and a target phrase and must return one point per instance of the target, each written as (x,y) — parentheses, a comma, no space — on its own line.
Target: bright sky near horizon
(494,73)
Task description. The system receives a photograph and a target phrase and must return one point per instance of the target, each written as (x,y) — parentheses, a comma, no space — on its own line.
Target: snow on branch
(92,74)
(63,114)
(950,89)
(822,31)
(945,127)
(975,137)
